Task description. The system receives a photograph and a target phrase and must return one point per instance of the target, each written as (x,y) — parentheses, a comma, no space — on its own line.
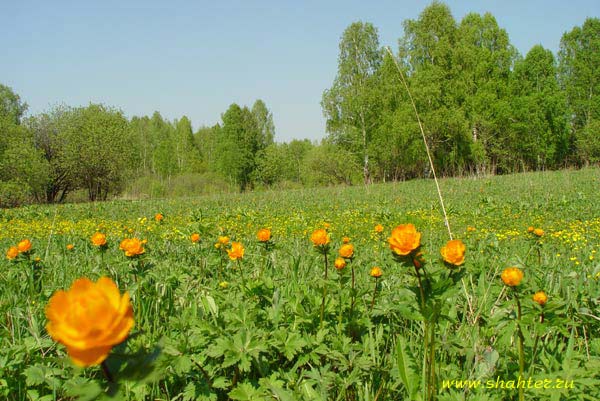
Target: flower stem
(324,292)
(109,377)
(374,294)
(521,348)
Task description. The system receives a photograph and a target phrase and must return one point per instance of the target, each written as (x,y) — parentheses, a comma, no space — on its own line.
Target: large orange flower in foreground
(405,239)
(454,252)
(236,252)
(89,319)
(320,237)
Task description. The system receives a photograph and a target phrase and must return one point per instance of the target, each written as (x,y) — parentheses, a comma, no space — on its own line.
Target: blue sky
(195,58)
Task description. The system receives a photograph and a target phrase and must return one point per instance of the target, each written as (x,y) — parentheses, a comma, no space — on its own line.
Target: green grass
(201,334)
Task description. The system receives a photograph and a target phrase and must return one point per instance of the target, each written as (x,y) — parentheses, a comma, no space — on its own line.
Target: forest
(485,108)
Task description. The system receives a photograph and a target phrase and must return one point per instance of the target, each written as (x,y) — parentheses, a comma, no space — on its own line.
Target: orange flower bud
(159,217)
(512,276)
(347,251)
(339,263)
(454,252)
(540,298)
(320,237)
(375,272)
(379,228)
(195,238)
(236,252)
(98,239)
(12,253)
(263,235)
(539,232)
(70,247)
(24,246)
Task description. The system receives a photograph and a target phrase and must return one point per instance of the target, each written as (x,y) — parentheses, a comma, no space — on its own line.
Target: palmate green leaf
(245,392)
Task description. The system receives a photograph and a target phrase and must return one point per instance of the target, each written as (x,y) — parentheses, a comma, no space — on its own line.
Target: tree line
(485,109)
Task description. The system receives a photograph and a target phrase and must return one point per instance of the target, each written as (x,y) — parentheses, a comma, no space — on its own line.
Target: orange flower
(375,272)
(512,276)
(24,246)
(339,263)
(236,252)
(347,251)
(327,226)
(70,247)
(12,253)
(263,235)
(530,229)
(195,238)
(454,252)
(539,232)
(405,239)
(132,247)
(99,239)
(320,237)
(379,228)
(540,298)
(223,240)
(89,319)
(159,217)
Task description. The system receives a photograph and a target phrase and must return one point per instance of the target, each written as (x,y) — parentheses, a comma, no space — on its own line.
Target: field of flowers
(325,294)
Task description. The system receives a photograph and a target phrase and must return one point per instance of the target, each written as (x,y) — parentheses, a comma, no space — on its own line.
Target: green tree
(96,149)
(264,121)
(351,105)
(11,106)
(539,136)
(579,67)
(237,145)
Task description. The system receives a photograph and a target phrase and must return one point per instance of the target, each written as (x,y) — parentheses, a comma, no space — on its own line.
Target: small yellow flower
(339,263)
(471,229)
(540,298)
(375,272)
(223,284)
(512,276)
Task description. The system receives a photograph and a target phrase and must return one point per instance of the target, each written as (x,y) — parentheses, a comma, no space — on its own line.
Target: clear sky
(195,58)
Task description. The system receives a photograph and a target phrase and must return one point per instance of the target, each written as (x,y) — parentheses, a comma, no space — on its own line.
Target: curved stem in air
(437,185)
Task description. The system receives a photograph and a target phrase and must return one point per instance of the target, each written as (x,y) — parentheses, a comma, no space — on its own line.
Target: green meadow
(282,323)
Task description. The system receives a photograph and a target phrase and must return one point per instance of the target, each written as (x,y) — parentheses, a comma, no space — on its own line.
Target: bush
(14,193)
